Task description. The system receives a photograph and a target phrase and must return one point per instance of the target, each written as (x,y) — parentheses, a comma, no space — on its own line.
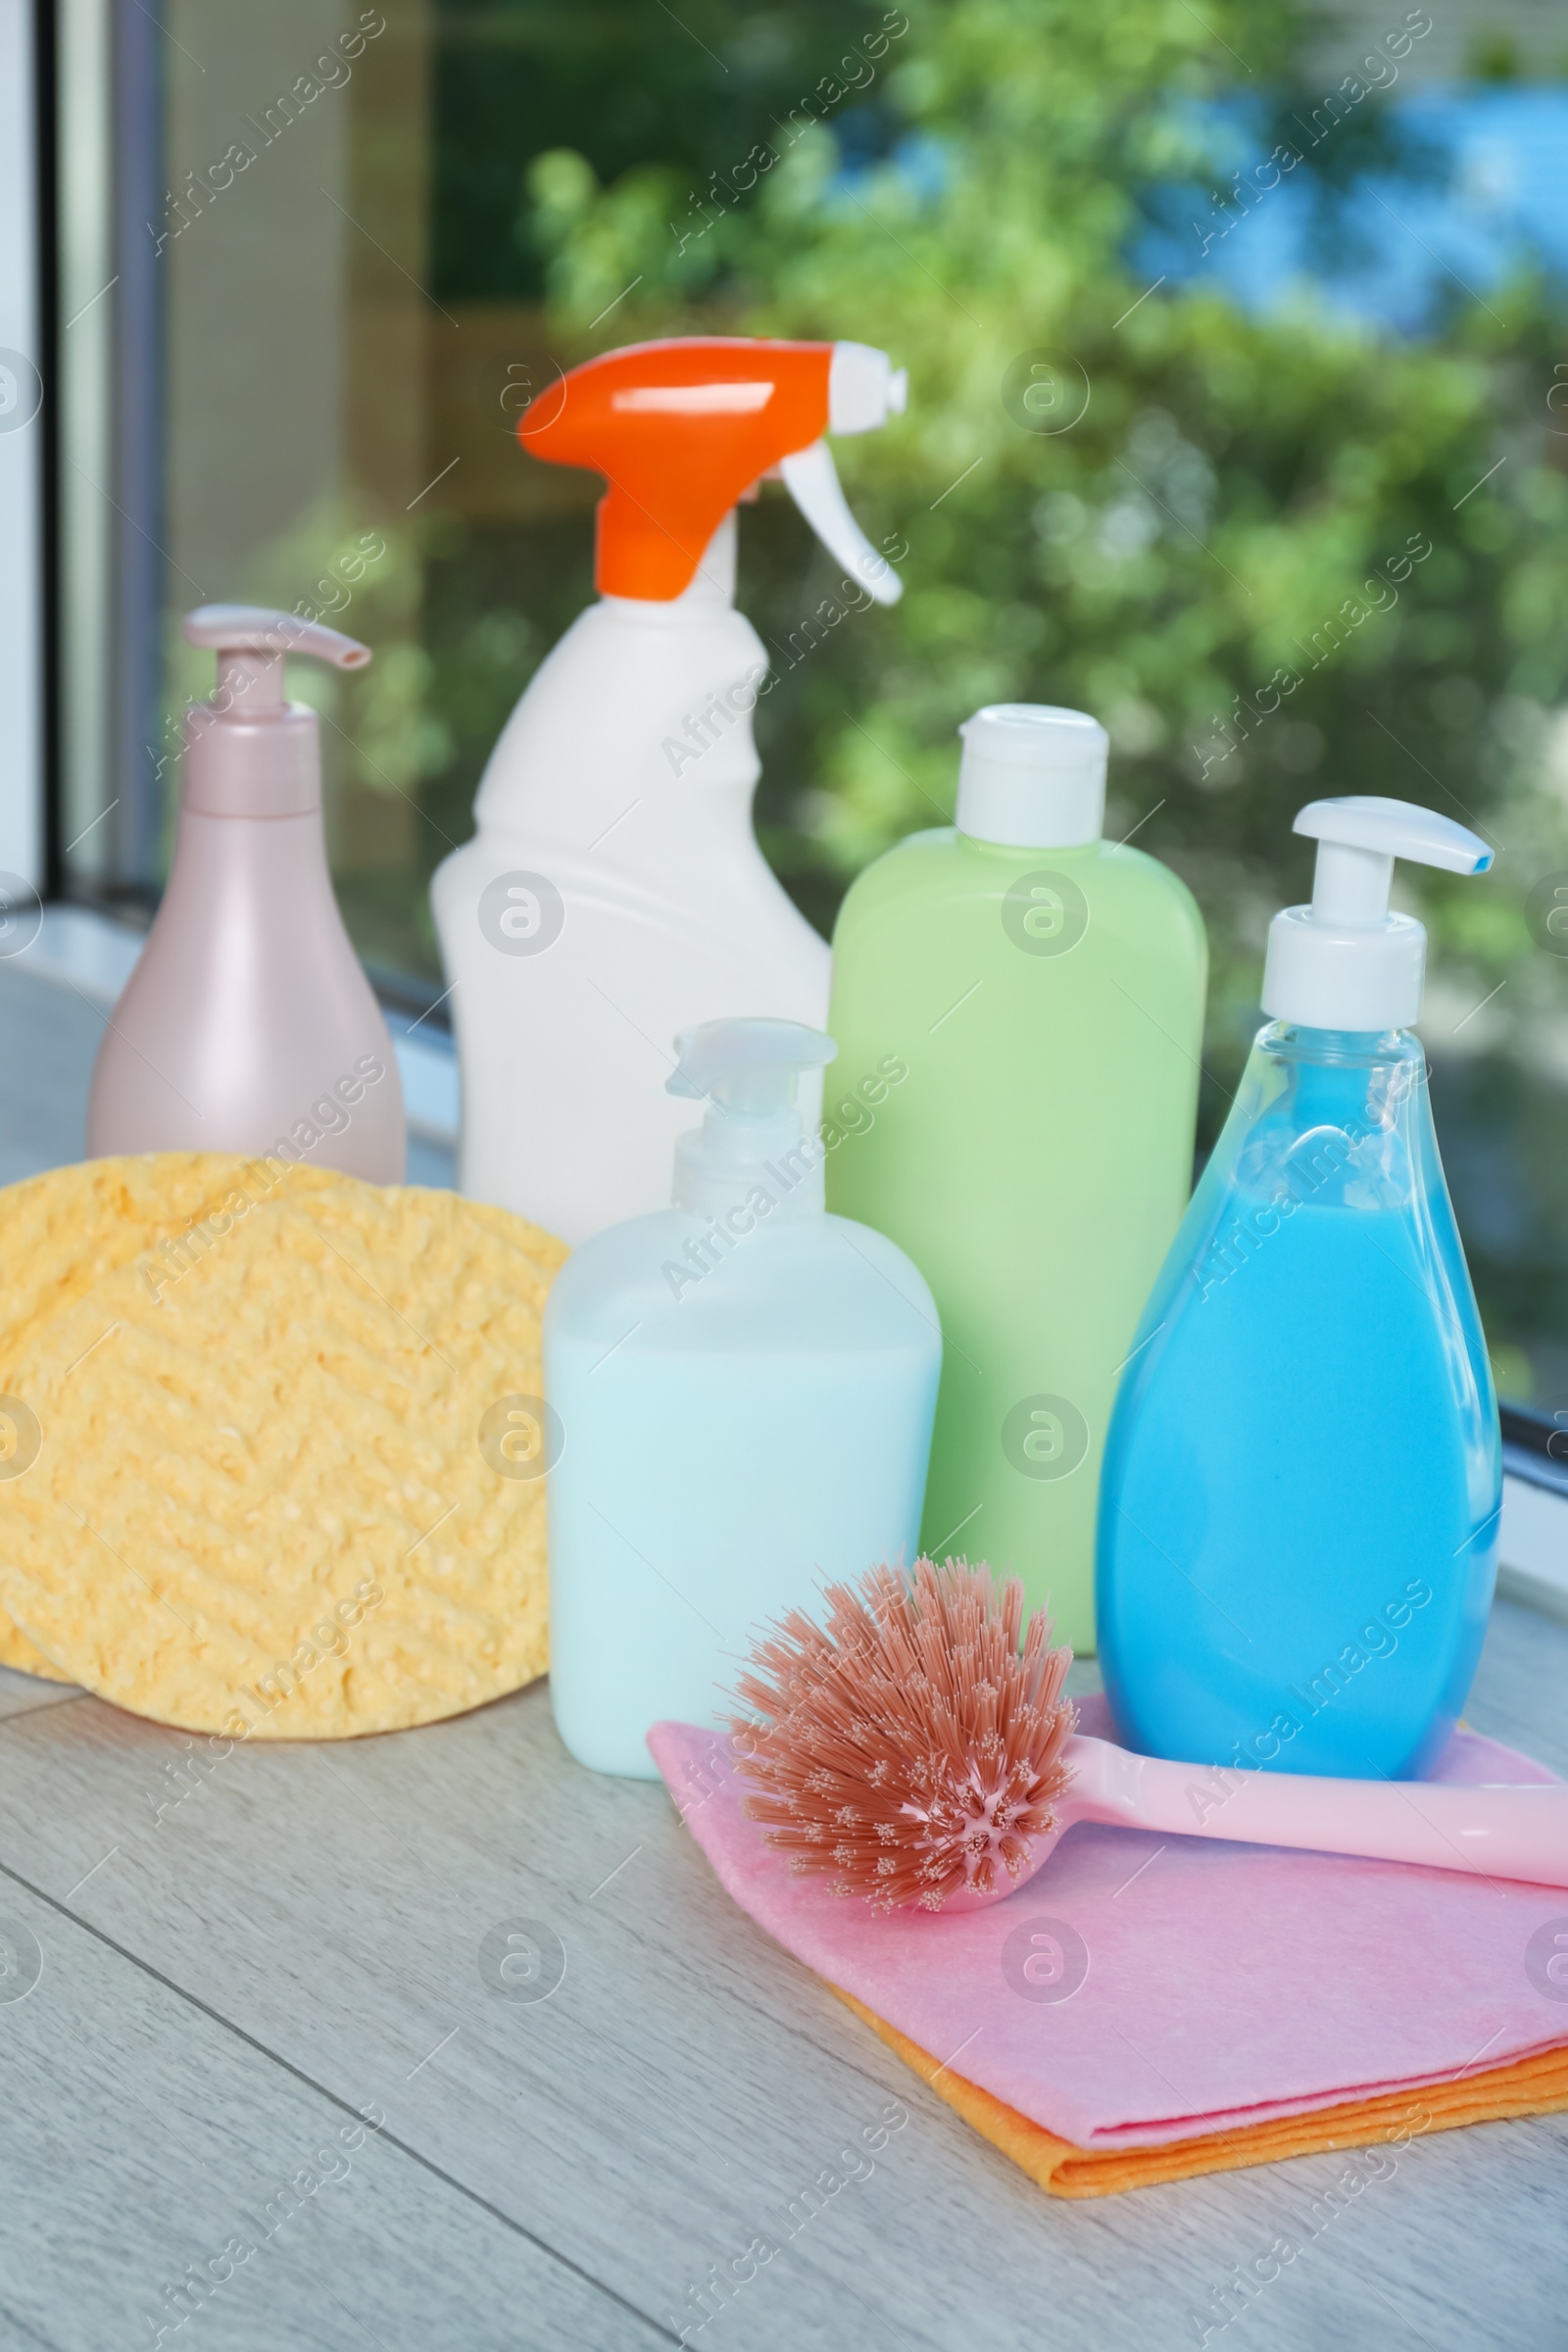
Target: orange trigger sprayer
(613,892)
(681,430)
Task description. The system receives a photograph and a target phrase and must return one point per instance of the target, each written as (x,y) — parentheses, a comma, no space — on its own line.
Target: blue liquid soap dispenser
(1302,1483)
(741,1392)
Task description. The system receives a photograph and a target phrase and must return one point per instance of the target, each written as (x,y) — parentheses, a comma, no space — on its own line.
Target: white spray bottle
(248,1024)
(614,892)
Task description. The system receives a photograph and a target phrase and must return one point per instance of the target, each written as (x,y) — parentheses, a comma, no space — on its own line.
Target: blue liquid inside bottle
(1303,1481)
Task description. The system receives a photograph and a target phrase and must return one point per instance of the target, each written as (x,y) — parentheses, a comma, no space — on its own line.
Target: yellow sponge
(61,1231)
(261,1502)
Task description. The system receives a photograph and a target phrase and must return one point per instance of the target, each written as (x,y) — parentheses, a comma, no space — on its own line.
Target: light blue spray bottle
(1303,1480)
(744,1388)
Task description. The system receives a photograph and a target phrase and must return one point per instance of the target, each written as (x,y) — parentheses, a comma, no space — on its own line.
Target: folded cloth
(1151,2008)
(1536,2086)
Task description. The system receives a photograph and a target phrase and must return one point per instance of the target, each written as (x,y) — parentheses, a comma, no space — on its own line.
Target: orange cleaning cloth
(1536,2086)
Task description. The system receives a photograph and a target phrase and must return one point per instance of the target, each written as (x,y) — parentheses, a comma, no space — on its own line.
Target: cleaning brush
(917,1750)
(913,1749)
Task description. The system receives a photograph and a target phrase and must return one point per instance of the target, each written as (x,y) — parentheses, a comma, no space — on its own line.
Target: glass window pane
(1317,331)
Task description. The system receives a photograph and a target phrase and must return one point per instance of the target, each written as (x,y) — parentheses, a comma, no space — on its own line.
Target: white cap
(1032,776)
(1345,962)
(746,1072)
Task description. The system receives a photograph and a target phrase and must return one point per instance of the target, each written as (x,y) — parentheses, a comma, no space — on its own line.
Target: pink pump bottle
(248,1024)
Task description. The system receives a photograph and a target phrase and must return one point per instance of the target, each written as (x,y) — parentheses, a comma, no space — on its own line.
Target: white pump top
(249,752)
(1032,776)
(1346,961)
(747,1071)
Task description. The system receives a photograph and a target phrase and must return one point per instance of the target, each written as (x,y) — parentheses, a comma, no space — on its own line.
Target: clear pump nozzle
(748,1073)
(1346,962)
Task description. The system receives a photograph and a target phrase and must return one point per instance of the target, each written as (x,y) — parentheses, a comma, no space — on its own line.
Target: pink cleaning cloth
(1175,1986)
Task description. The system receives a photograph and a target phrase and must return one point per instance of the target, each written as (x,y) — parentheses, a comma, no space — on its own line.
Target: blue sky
(1493,189)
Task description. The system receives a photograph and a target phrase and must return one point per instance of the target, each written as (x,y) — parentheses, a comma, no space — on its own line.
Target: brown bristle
(913,1745)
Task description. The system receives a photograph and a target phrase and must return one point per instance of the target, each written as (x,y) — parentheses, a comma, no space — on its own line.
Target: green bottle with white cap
(1043,989)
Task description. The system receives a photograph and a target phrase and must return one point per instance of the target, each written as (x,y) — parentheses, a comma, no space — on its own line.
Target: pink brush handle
(1502,1833)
